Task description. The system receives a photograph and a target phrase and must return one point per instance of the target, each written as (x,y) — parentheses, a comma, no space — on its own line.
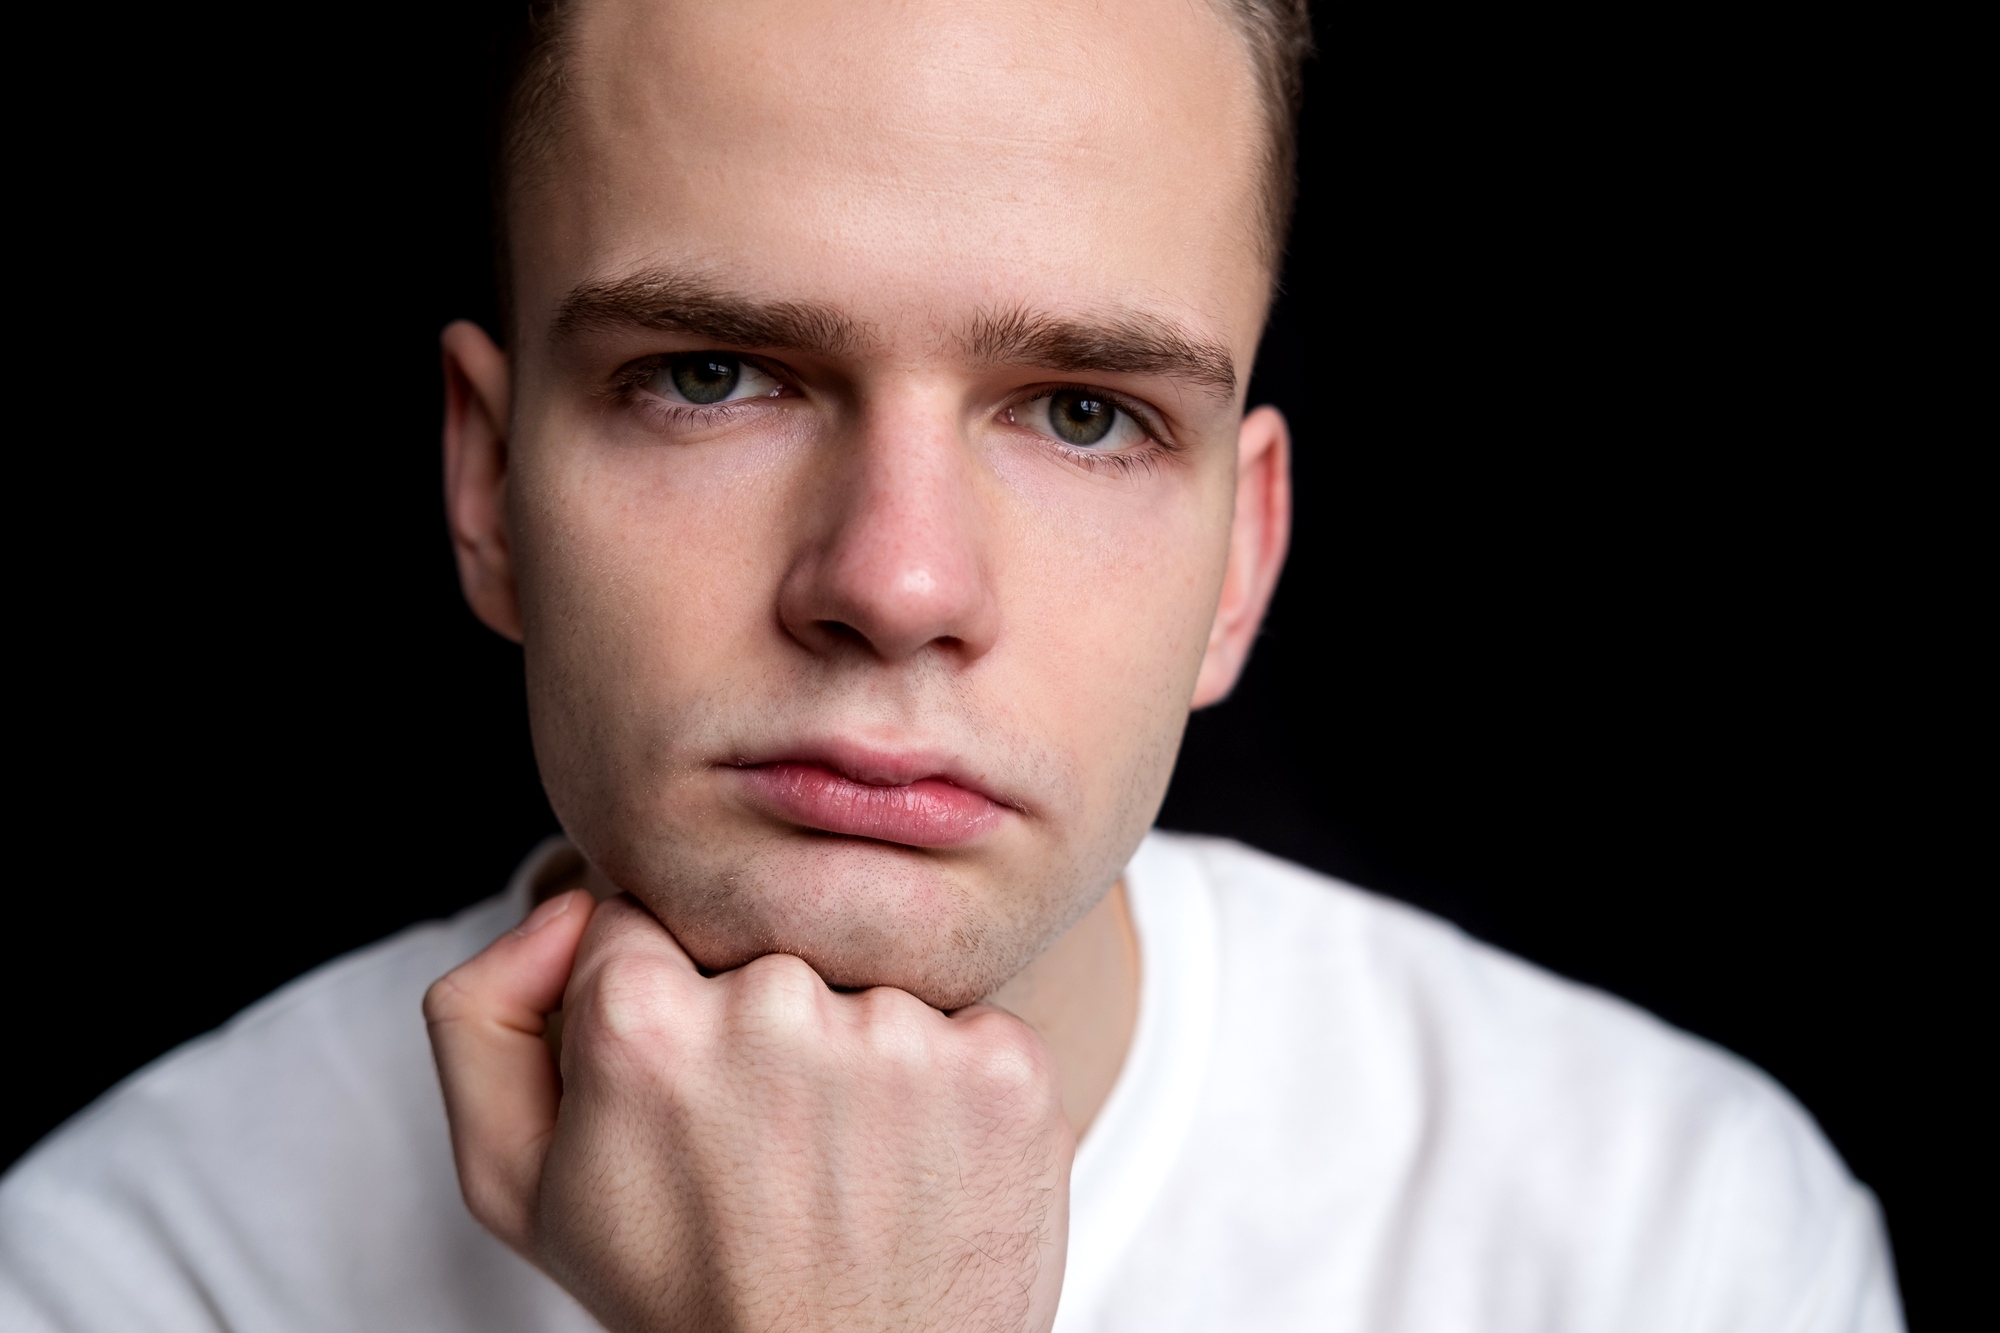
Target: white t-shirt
(1338,1113)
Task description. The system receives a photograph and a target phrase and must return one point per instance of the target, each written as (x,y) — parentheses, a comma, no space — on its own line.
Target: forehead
(893,156)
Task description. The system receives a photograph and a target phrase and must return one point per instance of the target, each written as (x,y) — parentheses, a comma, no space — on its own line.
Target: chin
(938,925)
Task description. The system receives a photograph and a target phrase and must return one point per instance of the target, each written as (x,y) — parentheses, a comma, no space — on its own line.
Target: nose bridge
(900,565)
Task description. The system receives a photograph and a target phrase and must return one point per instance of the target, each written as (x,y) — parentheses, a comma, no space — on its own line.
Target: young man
(868,480)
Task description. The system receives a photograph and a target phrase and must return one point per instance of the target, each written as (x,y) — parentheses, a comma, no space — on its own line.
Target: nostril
(841,632)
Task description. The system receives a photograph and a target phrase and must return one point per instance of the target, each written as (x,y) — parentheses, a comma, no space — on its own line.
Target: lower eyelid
(668,412)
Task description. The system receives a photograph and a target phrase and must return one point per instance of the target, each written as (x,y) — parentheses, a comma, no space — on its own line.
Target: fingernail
(544,914)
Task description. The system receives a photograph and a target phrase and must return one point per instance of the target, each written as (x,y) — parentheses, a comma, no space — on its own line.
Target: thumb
(501,1087)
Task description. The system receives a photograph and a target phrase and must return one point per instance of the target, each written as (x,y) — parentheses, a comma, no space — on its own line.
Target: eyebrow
(1131,343)
(679,303)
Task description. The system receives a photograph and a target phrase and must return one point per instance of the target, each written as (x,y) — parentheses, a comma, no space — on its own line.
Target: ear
(476,402)
(1258,538)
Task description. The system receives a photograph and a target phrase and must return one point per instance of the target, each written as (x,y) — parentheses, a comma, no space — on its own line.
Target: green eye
(706,377)
(1080,418)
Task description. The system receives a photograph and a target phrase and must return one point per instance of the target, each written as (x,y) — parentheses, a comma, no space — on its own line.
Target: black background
(1621,625)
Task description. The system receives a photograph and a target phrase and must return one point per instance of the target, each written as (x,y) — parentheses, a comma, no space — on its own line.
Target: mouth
(908,799)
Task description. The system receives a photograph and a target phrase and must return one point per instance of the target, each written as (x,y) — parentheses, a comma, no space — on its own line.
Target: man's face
(877,383)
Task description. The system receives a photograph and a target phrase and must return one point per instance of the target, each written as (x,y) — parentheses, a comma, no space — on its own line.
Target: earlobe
(1259,535)
(477,398)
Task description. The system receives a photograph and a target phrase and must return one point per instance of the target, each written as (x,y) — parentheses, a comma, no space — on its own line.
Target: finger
(632,981)
(622,928)
(501,1089)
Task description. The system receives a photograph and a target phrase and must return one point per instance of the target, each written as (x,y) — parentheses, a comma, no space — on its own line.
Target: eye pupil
(1079,418)
(706,377)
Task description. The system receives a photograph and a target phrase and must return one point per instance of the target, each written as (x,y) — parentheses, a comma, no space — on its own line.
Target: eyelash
(628,389)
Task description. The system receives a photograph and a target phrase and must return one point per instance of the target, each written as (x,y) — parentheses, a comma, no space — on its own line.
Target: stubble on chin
(945,929)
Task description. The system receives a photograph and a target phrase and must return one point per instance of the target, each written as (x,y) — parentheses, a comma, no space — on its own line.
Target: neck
(1082,996)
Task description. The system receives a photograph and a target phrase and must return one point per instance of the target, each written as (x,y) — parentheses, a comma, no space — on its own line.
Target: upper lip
(878,766)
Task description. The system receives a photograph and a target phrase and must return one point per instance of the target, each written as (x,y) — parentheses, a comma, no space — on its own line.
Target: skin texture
(780,1105)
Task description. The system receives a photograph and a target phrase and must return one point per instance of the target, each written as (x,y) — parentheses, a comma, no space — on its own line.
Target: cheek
(647,569)
(1116,586)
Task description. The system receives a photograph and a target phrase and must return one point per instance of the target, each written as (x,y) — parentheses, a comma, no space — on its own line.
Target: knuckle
(622,1000)
(446,1001)
(776,996)
(897,1028)
(1005,1062)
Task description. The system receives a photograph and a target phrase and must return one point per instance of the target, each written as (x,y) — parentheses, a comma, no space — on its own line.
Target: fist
(754,1149)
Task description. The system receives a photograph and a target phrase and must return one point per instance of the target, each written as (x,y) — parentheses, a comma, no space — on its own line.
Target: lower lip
(926,813)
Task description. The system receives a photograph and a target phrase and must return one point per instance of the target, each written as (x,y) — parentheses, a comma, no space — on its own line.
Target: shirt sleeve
(74,1260)
(1795,1244)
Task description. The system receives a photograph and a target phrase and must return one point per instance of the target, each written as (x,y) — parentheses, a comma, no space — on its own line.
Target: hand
(751,1150)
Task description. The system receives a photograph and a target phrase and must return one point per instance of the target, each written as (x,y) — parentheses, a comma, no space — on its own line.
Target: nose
(894,565)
